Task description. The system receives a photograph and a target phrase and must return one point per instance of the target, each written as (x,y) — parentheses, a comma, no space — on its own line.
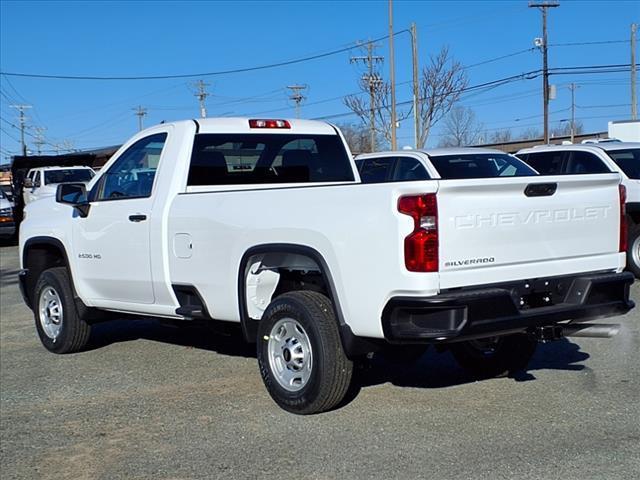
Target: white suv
(602,157)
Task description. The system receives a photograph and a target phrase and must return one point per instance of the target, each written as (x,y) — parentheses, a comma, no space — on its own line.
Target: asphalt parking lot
(154,401)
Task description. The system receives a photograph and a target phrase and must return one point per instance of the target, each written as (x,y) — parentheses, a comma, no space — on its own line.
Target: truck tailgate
(491,231)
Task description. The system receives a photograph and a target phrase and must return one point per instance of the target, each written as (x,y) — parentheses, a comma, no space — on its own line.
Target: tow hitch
(549,333)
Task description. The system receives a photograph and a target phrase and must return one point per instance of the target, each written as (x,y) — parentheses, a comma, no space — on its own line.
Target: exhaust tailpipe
(594,330)
(550,333)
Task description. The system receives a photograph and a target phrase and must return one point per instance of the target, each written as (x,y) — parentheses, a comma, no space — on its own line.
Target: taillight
(623,218)
(258,123)
(421,246)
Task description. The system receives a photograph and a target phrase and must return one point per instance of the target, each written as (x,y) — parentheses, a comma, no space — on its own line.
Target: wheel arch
(353,345)
(39,254)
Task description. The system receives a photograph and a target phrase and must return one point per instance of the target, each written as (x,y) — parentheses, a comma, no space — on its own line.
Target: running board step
(191,313)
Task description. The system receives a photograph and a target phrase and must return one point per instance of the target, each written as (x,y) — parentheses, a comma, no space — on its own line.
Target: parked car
(598,158)
(439,163)
(265,223)
(42,181)
(7,223)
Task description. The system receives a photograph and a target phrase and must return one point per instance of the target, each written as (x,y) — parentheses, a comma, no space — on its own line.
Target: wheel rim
(485,347)
(635,251)
(290,354)
(50,313)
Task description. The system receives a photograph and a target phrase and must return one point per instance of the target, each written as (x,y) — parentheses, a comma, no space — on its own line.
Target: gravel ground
(153,401)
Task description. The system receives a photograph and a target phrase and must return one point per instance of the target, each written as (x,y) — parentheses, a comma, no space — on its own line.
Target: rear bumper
(506,308)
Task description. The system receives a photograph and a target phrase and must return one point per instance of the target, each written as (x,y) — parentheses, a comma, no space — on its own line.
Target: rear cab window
(237,159)
(480,165)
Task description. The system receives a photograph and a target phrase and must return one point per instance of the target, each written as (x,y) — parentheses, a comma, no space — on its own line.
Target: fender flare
(352,345)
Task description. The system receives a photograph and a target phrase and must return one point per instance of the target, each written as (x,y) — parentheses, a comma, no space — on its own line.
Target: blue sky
(158,38)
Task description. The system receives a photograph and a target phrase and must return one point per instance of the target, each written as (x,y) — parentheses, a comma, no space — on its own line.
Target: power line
(573,70)
(575,44)
(519,52)
(202,74)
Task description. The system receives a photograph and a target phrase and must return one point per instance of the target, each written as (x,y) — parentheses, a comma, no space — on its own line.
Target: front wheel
(495,356)
(301,359)
(60,328)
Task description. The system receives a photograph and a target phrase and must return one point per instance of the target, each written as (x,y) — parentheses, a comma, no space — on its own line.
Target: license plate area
(530,294)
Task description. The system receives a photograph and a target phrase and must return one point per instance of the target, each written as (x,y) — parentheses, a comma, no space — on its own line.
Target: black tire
(494,357)
(73,333)
(633,257)
(330,369)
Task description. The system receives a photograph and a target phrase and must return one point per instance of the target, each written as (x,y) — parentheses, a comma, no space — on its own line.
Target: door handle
(137,218)
(540,189)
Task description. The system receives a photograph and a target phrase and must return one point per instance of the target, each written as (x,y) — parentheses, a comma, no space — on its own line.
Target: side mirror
(74,194)
(28,183)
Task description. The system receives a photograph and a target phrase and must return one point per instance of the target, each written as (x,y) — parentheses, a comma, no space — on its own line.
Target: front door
(111,244)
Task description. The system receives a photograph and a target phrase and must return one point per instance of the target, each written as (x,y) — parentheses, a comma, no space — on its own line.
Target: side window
(409,169)
(547,163)
(132,175)
(36,181)
(585,162)
(377,170)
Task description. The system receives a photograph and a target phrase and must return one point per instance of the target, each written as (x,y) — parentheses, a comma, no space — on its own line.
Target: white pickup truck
(266,223)
(42,182)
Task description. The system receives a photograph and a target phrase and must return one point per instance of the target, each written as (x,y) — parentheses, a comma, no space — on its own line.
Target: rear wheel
(495,356)
(60,328)
(301,359)
(633,250)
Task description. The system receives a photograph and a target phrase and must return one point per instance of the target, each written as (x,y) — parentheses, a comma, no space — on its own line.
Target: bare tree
(441,85)
(461,128)
(360,105)
(564,129)
(531,133)
(357,137)
(502,136)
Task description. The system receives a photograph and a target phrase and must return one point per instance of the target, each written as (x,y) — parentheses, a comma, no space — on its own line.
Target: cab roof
(241,125)
(606,146)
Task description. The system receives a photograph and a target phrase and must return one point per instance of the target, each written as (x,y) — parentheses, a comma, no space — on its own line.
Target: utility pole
(573,88)
(373,82)
(68,146)
(392,78)
(23,120)
(201,95)
(39,138)
(634,100)
(543,7)
(297,96)
(140,113)
(414,57)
